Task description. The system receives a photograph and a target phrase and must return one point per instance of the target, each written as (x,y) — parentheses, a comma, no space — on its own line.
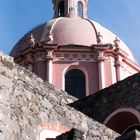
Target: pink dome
(67,31)
(64,30)
(71,31)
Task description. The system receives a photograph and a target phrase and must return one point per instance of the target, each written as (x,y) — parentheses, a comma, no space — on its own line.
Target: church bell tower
(70,8)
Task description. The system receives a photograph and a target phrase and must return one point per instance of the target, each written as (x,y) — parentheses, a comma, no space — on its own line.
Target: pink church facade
(74,53)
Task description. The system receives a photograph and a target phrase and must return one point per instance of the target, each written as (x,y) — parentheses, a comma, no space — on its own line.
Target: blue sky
(120,16)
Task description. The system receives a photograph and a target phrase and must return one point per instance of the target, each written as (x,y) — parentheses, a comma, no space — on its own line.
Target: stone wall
(29,105)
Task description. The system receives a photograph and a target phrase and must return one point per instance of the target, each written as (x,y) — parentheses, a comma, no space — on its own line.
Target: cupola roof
(70,25)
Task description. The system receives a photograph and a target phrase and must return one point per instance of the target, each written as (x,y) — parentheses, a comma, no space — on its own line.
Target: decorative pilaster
(117,59)
(49,58)
(118,68)
(101,69)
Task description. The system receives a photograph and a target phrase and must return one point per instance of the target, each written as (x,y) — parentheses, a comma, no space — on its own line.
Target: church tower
(67,8)
(74,53)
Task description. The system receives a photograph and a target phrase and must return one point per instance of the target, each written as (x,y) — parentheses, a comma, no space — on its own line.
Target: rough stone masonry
(27,104)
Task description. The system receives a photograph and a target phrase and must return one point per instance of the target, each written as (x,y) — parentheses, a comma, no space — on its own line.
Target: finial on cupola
(116,42)
(31,40)
(99,38)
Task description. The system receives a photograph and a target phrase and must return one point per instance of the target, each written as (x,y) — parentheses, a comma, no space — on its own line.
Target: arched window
(61,9)
(80,9)
(75,83)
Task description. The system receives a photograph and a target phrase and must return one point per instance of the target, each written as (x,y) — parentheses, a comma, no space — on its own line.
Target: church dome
(70,26)
(67,31)
(74,53)
(75,31)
